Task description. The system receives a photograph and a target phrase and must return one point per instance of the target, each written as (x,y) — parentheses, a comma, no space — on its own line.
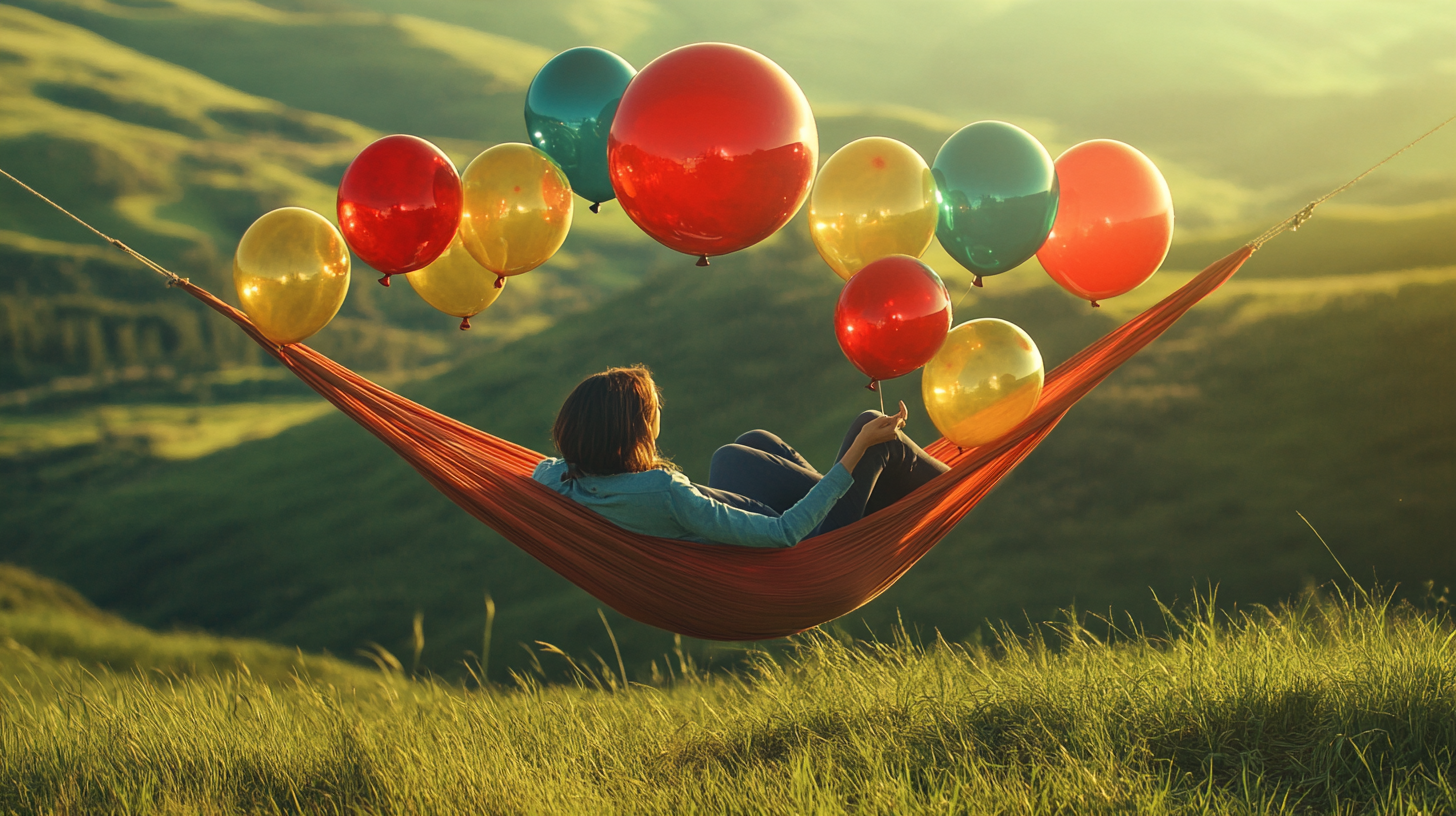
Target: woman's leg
(885,474)
(766,476)
(770,443)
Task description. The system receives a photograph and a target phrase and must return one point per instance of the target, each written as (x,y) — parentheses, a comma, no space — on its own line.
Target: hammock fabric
(702,590)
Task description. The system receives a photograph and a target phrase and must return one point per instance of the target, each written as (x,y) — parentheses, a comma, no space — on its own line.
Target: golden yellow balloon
(291,271)
(874,197)
(983,382)
(517,208)
(455,284)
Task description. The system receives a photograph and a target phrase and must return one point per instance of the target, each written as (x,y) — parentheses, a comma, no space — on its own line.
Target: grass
(1330,704)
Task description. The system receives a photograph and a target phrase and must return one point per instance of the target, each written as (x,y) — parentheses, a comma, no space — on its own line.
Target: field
(1332,704)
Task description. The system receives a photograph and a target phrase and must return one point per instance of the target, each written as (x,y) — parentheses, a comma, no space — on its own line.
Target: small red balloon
(1114,221)
(892,316)
(713,148)
(399,204)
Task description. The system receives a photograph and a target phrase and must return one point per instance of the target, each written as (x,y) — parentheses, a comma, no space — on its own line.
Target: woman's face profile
(656,421)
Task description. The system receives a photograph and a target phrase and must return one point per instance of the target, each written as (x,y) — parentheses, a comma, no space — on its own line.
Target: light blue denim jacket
(664,503)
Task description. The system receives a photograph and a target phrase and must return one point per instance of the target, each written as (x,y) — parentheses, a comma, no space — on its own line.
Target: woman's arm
(717,522)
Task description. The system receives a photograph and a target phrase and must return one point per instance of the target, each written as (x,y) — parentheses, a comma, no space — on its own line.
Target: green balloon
(998,192)
(569,110)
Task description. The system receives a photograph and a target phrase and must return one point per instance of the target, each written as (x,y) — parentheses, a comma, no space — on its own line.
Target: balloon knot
(873,386)
(596,207)
(976,282)
(702,260)
(500,282)
(1096,305)
(384,281)
(464,324)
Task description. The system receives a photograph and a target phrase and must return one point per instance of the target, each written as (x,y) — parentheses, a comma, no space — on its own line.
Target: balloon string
(881,392)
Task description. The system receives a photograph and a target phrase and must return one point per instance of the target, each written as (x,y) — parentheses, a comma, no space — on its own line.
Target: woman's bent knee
(864,419)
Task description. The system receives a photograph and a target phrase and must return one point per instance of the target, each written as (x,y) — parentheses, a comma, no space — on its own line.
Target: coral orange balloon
(517,208)
(984,381)
(874,197)
(713,149)
(455,284)
(291,271)
(1115,222)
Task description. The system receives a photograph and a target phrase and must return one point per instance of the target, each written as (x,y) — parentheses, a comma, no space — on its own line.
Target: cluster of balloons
(710,149)
(1099,219)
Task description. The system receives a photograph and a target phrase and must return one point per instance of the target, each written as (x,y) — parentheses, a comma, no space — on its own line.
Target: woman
(761,492)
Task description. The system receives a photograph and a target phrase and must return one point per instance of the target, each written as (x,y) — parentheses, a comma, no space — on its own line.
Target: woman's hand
(874,432)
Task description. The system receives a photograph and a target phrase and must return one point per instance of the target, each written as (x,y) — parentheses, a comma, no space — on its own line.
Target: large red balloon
(1114,221)
(399,204)
(892,316)
(713,148)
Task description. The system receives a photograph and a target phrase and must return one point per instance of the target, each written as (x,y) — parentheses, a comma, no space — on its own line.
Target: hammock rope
(703,590)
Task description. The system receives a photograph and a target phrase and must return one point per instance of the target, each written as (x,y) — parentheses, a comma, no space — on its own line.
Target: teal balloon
(998,194)
(569,110)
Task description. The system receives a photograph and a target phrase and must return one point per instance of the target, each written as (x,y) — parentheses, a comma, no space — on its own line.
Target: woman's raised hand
(874,432)
(882,429)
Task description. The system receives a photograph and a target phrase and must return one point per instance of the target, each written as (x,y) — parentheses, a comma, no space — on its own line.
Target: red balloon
(1114,221)
(713,148)
(892,316)
(399,204)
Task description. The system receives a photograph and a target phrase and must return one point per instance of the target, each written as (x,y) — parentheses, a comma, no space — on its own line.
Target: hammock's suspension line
(1294,222)
(172,278)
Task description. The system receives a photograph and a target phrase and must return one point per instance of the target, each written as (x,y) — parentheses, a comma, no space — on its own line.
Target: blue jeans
(761,469)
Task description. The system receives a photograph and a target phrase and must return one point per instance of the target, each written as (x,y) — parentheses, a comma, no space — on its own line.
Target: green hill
(1315,382)
(49,631)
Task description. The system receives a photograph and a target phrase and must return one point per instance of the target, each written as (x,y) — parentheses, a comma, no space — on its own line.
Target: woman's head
(609,423)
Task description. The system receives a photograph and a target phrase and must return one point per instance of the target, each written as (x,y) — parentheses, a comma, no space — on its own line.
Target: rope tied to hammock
(1294,222)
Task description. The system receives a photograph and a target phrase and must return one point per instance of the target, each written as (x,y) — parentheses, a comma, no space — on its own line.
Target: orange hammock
(702,590)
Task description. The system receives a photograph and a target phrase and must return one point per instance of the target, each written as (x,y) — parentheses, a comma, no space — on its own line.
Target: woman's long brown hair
(605,425)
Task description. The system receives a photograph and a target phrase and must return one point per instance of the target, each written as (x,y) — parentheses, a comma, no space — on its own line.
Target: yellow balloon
(874,197)
(455,284)
(517,208)
(983,382)
(291,271)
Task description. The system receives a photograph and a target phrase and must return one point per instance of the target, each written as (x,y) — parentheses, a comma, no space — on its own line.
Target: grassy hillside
(49,634)
(1323,706)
